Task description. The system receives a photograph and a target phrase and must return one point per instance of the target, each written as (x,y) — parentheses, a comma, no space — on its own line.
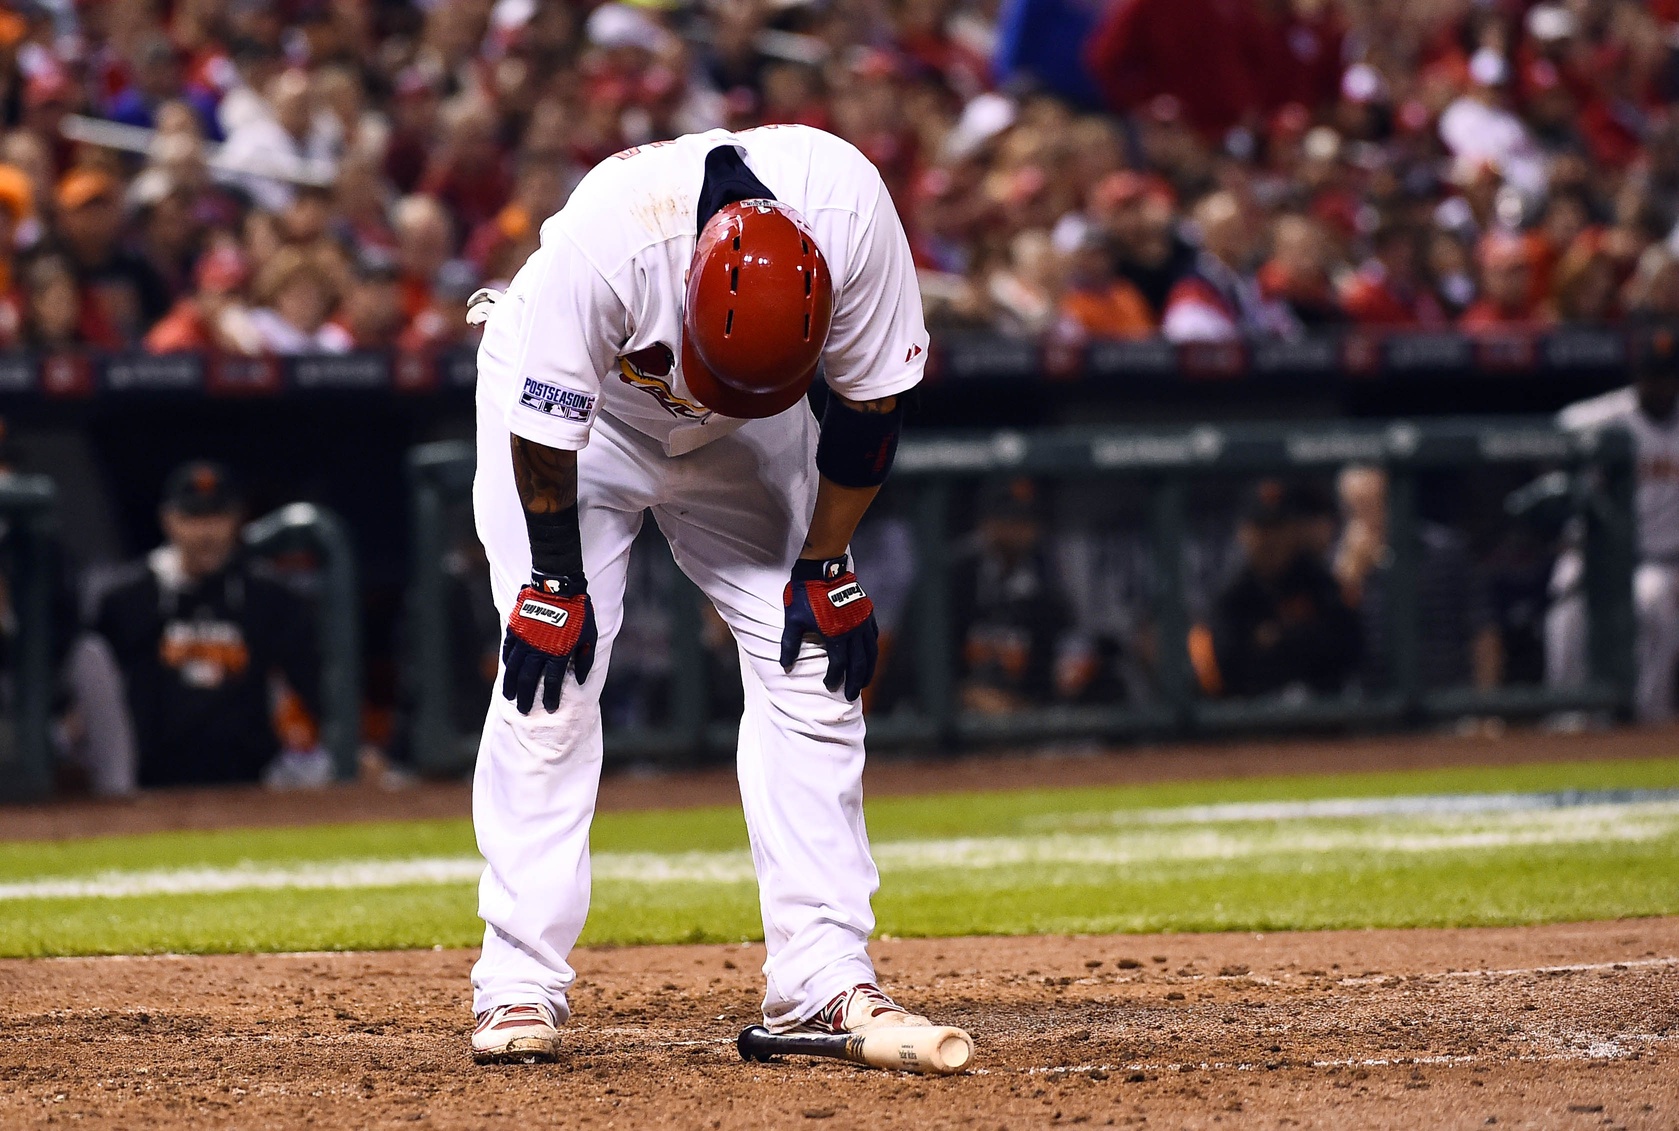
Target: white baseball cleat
(525,1033)
(858,1010)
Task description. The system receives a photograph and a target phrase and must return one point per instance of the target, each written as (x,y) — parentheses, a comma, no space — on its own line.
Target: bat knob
(955,1051)
(749,1043)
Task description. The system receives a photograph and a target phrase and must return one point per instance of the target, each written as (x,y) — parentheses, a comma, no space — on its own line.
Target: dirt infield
(1558,1027)
(240,807)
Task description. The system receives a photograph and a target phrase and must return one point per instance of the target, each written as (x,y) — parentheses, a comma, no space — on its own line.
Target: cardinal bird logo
(649,370)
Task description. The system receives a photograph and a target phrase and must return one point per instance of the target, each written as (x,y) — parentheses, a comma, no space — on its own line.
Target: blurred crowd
(292,176)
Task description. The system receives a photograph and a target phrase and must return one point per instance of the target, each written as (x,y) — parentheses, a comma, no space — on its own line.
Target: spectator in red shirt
(214,318)
(1567,216)
(1614,121)
(1206,53)
(1297,274)
(1506,263)
(441,324)
(425,241)
(1302,59)
(54,316)
(1387,290)
(468,173)
(370,317)
(414,127)
(1583,284)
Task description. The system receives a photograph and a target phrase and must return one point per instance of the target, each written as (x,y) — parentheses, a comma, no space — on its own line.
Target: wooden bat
(937,1049)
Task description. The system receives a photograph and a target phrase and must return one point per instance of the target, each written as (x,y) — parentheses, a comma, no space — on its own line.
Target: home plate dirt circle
(1562,1026)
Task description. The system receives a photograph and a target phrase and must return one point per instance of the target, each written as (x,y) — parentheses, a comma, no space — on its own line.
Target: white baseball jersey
(1656,449)
(606,288)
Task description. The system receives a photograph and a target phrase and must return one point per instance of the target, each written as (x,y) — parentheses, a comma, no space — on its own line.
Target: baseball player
(1649,410)
(654,354)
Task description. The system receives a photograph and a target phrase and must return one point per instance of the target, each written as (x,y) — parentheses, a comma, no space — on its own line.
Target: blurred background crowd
(293,176)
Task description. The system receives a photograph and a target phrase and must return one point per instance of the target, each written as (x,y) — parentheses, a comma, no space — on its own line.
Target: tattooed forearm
(546,477)
(547,482)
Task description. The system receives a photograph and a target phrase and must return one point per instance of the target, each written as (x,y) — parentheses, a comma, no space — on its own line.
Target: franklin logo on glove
(539,610)
(845,595)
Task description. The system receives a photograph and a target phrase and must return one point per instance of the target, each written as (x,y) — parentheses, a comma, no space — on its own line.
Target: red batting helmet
(760,301)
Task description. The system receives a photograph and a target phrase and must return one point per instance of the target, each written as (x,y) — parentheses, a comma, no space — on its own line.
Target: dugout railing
(1596,467)
(28,547)
(337,601)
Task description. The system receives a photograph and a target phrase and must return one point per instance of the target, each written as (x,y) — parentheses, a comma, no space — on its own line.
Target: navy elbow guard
(856,448)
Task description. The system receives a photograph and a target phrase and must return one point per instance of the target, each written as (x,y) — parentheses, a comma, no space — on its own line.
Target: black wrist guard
(856,448)
(819,569)
(556,544)
(570,585)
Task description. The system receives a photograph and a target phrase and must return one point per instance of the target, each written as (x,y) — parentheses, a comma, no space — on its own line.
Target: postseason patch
(553,400)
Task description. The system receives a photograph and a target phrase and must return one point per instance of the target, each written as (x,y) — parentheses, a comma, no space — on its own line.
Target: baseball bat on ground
(937,1049)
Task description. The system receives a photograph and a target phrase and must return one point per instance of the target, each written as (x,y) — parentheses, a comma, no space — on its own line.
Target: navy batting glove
(552,625)
(824,600)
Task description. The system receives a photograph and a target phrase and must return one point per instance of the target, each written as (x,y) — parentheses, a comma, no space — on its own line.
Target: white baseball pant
(1655,600)
(735,512)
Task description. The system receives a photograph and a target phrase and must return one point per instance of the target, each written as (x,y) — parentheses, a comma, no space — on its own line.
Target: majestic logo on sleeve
(649,370)
(555,400)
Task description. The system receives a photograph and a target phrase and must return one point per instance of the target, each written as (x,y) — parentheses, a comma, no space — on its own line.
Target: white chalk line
(210,881)
(1610,1049)
(1427,805)
(1571,968)
(1150,843)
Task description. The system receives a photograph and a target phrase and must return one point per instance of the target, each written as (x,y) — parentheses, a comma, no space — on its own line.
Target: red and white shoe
(858,1010)
(525,1033)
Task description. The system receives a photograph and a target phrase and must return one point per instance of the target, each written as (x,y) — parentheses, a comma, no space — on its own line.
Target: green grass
(1266,881)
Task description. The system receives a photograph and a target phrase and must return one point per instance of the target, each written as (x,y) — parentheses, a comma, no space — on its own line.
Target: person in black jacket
(204,639)
(1281,625)
(1011,604)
